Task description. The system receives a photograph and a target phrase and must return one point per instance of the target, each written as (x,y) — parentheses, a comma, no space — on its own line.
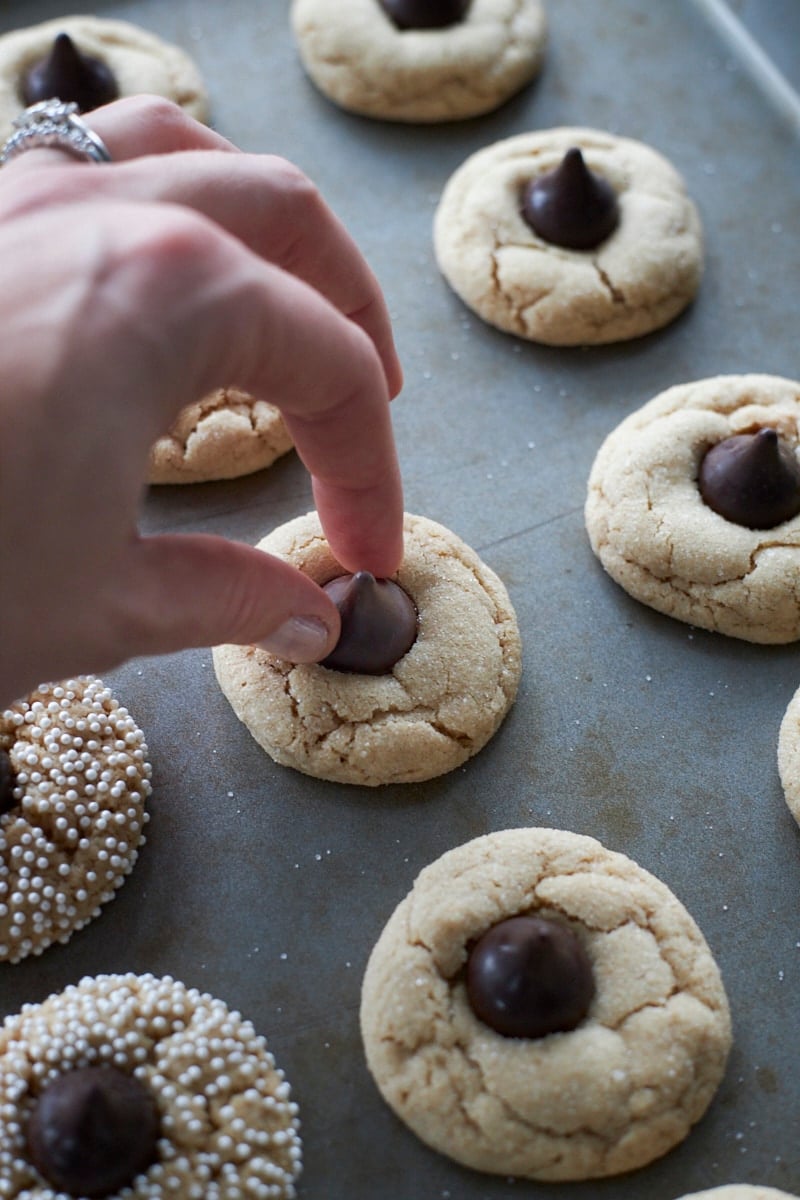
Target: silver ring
(54,123)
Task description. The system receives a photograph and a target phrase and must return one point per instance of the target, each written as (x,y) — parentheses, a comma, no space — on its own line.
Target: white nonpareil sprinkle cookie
(228,1128)
(72,811)
(139,61)
(611,1089)
(360,58)
(226,434)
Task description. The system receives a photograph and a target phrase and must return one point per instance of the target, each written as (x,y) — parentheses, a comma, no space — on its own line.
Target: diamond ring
(54,123)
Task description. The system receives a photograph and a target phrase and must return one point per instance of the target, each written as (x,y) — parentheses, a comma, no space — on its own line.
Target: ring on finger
(54,123)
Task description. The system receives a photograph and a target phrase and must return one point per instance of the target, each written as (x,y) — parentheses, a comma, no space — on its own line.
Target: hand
(127,291)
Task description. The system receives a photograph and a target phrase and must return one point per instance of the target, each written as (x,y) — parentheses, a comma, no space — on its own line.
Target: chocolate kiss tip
(571,206)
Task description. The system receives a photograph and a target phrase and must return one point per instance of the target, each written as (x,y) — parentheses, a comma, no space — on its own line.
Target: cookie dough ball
(74,778)
(227,1126)
(655,535)
(226,434)
(139,61)
(740,1191)
(636,280)
(439,704)
(363,61)
(619,1089)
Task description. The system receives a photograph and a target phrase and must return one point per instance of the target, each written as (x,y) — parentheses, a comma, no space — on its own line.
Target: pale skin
(128,290)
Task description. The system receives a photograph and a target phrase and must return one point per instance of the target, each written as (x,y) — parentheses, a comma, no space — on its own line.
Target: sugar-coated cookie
(620,1088)
(657,537)
(636,280)
(74,778)
(139,61)
(439,704)
(789,755)
(226,434)
(225,1123)
(359,57)
(740,1191)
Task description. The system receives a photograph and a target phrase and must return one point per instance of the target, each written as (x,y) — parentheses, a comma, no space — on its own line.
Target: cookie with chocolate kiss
(527,993)
(425,671)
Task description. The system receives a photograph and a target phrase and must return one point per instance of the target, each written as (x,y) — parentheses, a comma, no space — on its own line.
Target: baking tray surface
(268,888)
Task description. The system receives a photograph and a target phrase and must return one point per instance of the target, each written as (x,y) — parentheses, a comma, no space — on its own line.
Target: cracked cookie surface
(139,60)
(226,434)
(228,1124)
(437,707)
(655,536)
(357,56)
(71,829)
(637,280)
(619,1090)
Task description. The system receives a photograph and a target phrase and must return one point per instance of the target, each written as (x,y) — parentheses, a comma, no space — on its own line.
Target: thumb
(199,590)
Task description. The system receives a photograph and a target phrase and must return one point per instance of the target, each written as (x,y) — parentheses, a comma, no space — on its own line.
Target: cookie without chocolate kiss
(440,703)
(225,435)
(616,1092)
(655,536)
(365,56)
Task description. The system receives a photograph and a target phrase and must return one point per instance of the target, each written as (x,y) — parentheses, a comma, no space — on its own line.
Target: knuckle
(157,113)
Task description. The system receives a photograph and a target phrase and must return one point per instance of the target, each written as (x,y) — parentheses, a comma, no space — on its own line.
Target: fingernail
(300,639)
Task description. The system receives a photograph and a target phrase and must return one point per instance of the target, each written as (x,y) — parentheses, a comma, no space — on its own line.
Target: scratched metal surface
(268,888)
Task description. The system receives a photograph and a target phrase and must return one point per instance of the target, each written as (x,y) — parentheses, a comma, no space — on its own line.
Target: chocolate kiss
(529,976)
(425,14)
(379,624)
(7,782)
(69,75)
(752,479)
(93,1130)
(571,206)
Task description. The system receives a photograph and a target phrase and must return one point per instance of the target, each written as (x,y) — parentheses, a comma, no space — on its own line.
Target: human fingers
(265,201)
(174,592)
(277,211)
(172,307)
(248,597)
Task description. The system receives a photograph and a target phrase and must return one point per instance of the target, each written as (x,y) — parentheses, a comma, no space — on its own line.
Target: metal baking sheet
(268,888)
